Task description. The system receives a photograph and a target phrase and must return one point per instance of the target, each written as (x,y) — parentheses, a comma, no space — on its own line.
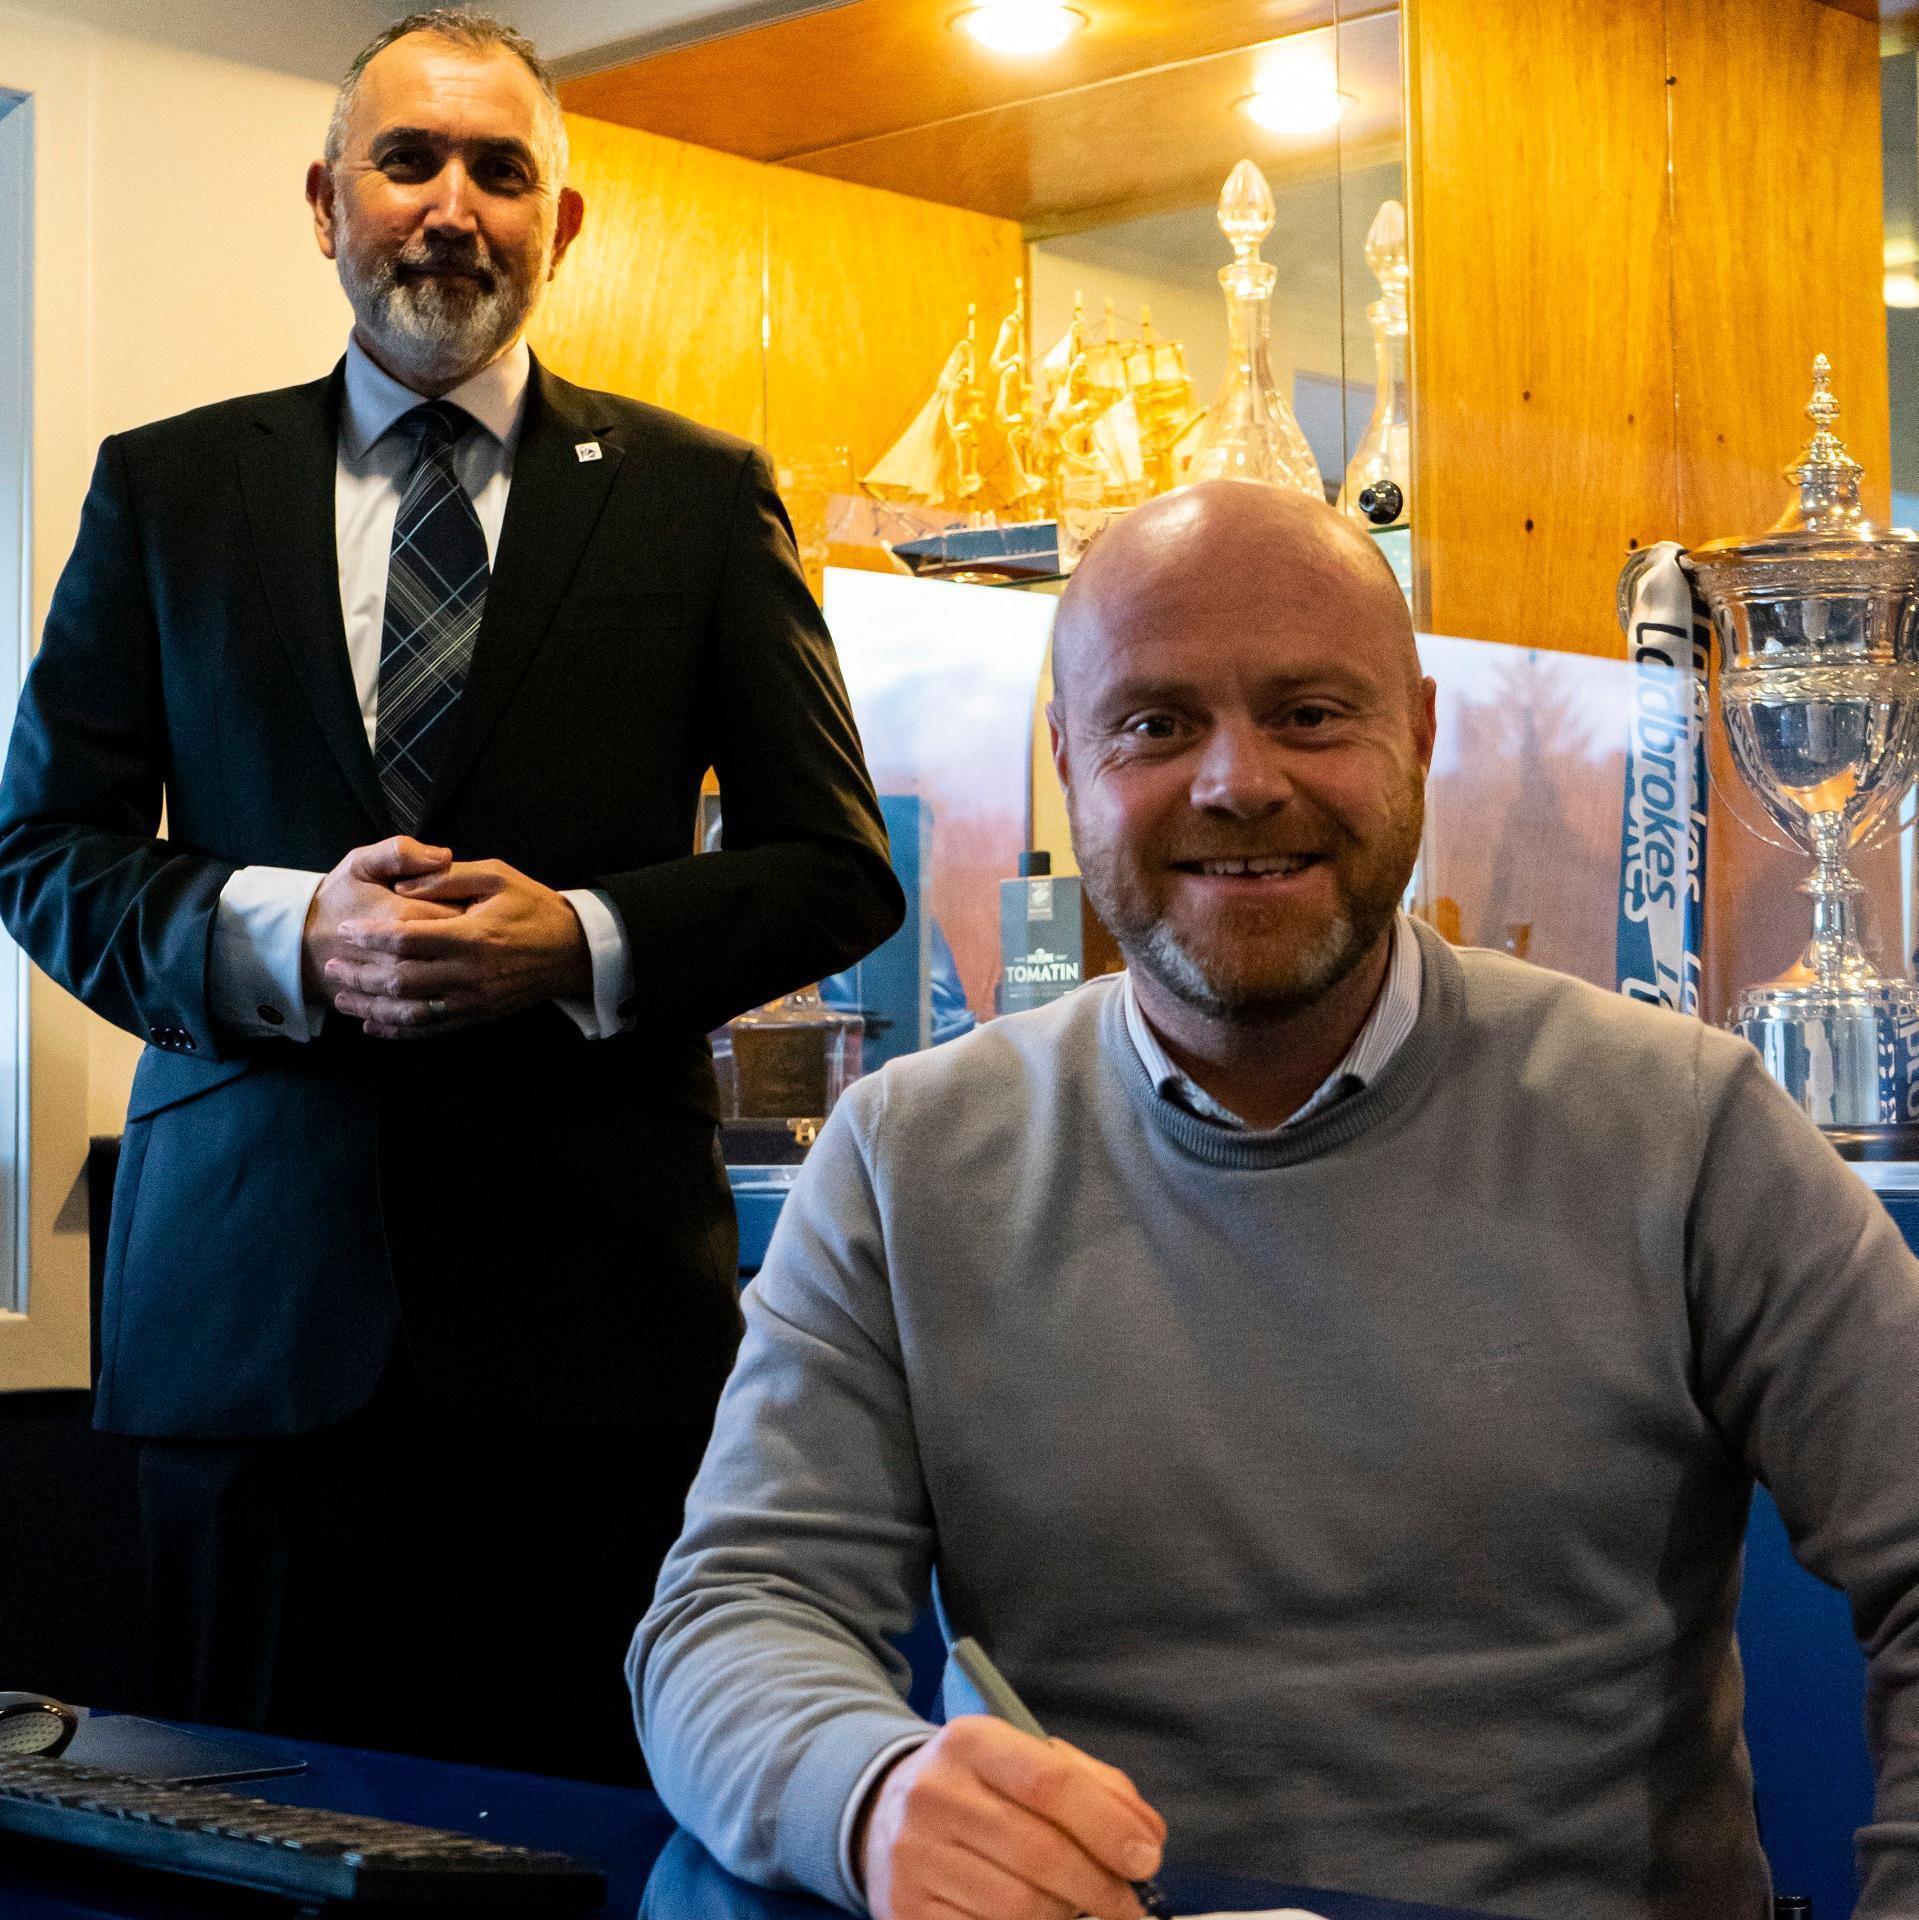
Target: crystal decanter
(1383,458)
(1250,432)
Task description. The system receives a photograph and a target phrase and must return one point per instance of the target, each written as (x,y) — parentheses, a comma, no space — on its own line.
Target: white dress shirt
(254,979)
(1384,1033)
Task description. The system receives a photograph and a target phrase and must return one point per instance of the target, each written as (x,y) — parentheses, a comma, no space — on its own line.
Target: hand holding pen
(991,1819)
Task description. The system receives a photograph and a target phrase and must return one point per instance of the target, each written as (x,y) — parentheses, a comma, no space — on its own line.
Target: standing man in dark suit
(420,1284)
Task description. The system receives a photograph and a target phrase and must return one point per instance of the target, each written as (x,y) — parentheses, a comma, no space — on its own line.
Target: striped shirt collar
(1384,1033)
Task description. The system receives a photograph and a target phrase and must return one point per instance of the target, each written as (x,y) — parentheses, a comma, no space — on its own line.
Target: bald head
(1242,735)
(1246,558)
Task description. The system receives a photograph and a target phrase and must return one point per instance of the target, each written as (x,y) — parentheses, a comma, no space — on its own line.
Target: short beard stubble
(1205,977)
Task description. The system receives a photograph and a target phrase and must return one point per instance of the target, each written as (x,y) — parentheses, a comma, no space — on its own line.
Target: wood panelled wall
(660,297)
(1634,224)
(1542,311)
(867,291)
(1778,251)
(802,312)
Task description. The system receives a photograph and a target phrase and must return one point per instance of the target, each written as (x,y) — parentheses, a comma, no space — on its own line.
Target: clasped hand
(411,942)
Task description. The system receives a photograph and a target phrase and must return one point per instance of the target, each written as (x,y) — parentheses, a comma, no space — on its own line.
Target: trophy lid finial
(1823,535)
(1822,409)
(1826,475)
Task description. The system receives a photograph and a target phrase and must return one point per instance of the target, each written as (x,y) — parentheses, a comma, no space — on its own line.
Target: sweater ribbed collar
(1441,996)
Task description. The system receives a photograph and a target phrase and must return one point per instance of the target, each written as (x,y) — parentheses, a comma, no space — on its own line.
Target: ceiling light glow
(1021,26)
(1301,102)
(1902,288)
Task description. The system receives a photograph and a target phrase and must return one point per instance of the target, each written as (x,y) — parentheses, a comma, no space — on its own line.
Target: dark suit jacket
(543,1218)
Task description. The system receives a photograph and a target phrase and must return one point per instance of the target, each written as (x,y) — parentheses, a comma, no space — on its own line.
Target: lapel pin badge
(586,450)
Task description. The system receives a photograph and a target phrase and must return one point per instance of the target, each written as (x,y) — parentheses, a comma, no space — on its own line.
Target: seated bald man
(1326,1370)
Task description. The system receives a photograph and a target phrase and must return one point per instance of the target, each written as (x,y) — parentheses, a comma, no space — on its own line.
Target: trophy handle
(1883,823)
(1736,797)
(1886,820)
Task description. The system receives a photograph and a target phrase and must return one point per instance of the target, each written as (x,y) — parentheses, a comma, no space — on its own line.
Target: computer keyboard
(306,1853)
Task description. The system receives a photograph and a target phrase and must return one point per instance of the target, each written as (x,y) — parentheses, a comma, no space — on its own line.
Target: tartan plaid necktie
(435,593)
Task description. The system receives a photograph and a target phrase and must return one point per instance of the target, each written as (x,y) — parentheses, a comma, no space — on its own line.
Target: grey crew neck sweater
(1372,1492)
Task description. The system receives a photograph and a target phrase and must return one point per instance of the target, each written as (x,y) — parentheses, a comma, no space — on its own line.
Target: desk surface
(654,1871)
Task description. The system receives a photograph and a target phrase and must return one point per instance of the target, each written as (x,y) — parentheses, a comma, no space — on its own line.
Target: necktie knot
(437,426)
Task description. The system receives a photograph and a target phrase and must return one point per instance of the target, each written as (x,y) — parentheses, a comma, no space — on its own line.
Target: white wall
(173,266)
(317,38)
(314,38)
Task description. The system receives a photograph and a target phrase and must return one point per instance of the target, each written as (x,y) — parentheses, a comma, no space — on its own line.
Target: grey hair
(477,32)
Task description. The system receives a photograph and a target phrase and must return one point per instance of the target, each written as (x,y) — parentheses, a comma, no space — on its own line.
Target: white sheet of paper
(1266,1913)
(1274,1913)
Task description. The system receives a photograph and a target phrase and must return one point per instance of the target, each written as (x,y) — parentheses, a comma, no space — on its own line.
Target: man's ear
(320,199)
(1428,721)
(570,211)
(1056,735)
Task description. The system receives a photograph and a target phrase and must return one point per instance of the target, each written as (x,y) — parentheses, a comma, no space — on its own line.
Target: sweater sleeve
(763,1682)
(1805,1306)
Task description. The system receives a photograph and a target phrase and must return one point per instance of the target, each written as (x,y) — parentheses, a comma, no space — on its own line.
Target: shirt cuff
(856,1800)
(610,1011)
(254,984)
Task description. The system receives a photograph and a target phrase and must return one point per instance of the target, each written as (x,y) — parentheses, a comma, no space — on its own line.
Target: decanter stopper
(1386,256)
(1246,211)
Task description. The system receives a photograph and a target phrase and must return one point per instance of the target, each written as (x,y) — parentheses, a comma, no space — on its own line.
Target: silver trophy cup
(1818,629)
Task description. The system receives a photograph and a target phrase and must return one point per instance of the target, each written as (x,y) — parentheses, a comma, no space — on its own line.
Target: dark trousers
(413,1582)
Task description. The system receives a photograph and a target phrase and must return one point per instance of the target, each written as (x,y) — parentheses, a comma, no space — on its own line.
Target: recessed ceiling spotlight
(1020,26)
(1297,103)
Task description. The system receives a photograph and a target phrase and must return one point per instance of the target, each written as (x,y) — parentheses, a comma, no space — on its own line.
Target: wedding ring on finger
(437,1008)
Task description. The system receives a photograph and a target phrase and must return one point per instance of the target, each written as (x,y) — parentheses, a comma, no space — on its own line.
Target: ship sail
(1105,416)
(922,465)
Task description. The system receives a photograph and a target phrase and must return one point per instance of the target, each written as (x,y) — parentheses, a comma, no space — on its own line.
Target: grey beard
(429,334)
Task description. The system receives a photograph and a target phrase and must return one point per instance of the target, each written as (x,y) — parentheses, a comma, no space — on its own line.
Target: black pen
(1003,1703)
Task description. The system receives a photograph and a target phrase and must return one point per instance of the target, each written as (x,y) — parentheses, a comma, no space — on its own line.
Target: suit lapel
(287,458)
(551,511)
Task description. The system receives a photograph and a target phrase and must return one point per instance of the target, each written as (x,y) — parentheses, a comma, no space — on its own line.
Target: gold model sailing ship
(1100,421)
